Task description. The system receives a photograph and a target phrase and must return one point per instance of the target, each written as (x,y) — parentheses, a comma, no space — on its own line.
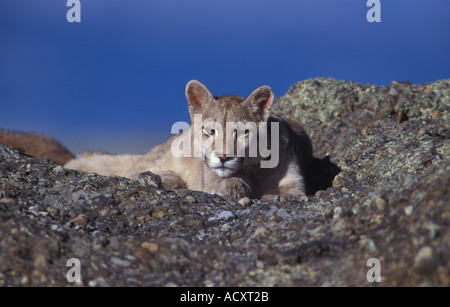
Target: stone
(244,201)
(80,220)
(381,203)
(390,195)
(152,247)
(425,261)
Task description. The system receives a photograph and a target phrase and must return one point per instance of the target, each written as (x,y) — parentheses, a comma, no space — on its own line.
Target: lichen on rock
(389,201)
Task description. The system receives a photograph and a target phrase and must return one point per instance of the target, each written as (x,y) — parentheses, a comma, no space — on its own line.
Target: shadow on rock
(320,174)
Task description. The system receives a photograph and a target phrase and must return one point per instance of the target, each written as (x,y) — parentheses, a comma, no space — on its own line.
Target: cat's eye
(209,131)
(242,132)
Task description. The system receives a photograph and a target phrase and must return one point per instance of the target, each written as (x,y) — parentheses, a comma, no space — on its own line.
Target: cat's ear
(260,101)
(197,95)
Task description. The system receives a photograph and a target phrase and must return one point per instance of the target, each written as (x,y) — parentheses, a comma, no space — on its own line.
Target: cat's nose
(224,159)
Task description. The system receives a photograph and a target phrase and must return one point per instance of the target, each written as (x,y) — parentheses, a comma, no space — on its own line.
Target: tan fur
(37,145)
(104,164)
(236,177)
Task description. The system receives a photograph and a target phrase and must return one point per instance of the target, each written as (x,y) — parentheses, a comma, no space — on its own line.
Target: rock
(148,178)
(381,203)
(225,215)
(80,220)
(244,201)
(393,92)
(408,210)
(158,213)
(143,254)
(120,262)
(378,187)
(52,210)
(190,199)
(152,247)
(337,213)
(425,261)
(59,169)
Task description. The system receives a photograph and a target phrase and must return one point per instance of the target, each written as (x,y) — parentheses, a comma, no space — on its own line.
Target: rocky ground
(389,201)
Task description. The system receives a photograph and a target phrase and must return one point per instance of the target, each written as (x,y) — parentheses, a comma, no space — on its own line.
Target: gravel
(381,190)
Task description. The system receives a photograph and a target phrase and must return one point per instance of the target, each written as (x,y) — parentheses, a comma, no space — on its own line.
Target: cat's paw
(171,181)
(231,187)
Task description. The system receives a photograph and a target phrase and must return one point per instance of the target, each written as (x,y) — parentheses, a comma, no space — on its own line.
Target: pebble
(158,214)
(149,179)
(143,254)
(436,114)
(150,246)
(367,244)
(320,193)
(7,201)
(120,262)
(393,92)
(24,280)
(337,212)
(59,170)
(181,192)
(381,203)
(425,261)
(189,199)
(338,182)
(339,225)
(432,228)
(244,201)
(225,214)
(408,210)
(80,220)
(52,210)
(114,212)
(98,282)
(225,227)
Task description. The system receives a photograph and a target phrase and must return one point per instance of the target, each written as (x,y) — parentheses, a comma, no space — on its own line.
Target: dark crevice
(319,174)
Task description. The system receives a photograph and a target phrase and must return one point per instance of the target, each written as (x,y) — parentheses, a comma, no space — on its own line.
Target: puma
(216,166)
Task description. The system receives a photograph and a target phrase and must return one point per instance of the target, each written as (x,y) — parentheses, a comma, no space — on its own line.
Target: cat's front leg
(233,187)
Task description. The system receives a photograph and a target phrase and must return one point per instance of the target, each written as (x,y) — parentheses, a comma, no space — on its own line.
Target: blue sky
(115,81)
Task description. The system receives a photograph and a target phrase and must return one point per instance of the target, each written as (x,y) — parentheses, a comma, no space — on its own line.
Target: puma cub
(221,160)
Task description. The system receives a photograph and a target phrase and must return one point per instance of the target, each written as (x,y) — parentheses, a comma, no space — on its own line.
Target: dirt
(379,189)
